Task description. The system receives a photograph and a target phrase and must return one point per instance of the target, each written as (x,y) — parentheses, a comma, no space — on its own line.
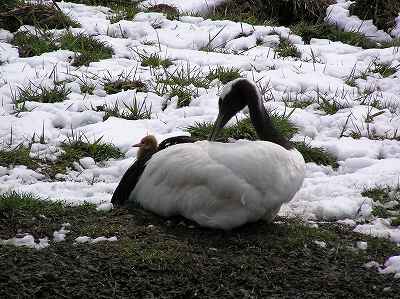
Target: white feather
(220,185)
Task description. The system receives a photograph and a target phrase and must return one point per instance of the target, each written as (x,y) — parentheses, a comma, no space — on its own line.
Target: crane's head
(236,95)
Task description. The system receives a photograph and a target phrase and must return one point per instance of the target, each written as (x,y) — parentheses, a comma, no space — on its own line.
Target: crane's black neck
(263,124)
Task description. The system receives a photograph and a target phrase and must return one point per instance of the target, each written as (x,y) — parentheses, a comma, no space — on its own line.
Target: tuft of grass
(223,74)
(39,15)
(381,196)
(134,111)
(89,48)
(243,129)
(154,60)
(77,146)
(120,85)
(171,12)
(287,49)
(124,12)
(280,12)
(316,154)
(185,76)
(184,95)
(42,94)
(382,13)
(319,30)
(19,155)
(30,44)
(384,69)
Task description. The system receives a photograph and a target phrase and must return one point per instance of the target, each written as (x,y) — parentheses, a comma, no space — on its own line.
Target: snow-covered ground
(324,68)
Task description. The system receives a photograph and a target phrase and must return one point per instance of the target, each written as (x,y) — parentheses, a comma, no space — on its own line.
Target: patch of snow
(85,239)
(105,207)
(28,241)
(380,228)
(362,245)
(59,236)
(392,265)
(320,243)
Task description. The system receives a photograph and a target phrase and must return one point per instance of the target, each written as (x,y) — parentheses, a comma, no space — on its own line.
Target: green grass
(78,146)
(120,85)
(274,12)
(325,31)
(171,12)
(287,49)
(154,60)
(124,12)
(382,13)
(42,94)
(88,48)
(9,157)
(384,70)
(317,155)
(381,196)
(224,75)
(39,15)
(184,95)
(133,111)
(33,45)
(243,129)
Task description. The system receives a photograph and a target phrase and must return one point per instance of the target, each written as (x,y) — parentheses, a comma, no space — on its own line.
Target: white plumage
(220,185)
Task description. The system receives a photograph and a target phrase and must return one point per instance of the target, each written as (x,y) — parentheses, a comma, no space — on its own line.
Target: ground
(167,258)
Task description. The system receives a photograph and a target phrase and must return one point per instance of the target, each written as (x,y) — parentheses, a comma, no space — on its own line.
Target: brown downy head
(147,147)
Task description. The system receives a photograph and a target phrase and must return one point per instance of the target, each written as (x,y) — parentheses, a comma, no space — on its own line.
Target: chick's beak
(138,145)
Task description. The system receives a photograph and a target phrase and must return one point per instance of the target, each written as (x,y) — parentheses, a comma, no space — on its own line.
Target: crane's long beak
(218,124)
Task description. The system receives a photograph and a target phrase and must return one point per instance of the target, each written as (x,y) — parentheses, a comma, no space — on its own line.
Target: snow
(28,241)
(59,236)
(85,239)
(327,194)
(392,265)
(380,228)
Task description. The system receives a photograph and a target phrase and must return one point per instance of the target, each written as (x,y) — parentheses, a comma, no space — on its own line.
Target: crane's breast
(220,184)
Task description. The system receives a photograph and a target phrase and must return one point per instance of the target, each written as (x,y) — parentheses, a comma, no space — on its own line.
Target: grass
(19,155)
(384,70)
(30,44)
(318,155)
(40,15)
(264,11)
(124,12)
(134,111)
(382,13)
(287,49)
(224,75)
(42,94)
(154,60)
(171,12)
(383,195)
(320,30)
(89,48)
(165,258)
(120,85)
